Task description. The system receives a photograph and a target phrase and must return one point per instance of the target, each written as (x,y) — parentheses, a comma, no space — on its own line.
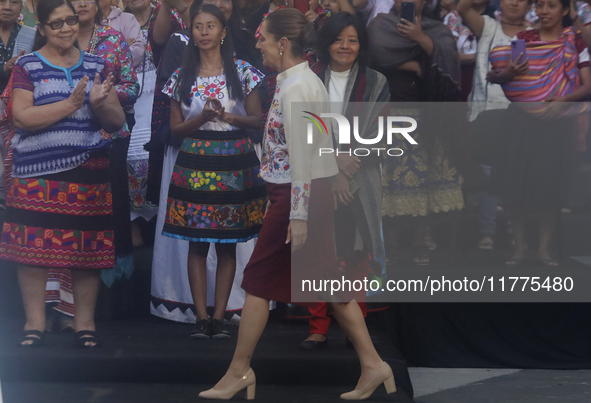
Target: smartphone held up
(408,11)
(518,48)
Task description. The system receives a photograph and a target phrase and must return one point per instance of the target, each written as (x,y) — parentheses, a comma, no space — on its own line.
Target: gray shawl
(390,50)
(24,40)
(371,88)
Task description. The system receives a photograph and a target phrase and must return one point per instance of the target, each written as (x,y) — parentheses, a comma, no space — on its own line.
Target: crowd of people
(181,112)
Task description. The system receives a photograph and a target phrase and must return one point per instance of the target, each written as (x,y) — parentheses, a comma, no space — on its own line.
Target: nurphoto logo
(392,126)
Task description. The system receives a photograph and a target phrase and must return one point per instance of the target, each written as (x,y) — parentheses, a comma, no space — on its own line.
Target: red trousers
(320,321)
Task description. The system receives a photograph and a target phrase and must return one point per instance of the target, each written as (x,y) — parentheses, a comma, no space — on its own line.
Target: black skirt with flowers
(216,193)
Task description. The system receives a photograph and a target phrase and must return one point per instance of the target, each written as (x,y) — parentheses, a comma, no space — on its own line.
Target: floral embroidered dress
(216,193)
(112,47)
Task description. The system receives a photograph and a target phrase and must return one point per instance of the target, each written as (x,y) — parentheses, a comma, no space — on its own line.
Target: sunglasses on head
(58,24)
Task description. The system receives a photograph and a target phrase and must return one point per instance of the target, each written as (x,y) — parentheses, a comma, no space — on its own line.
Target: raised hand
(78,95)
(311,16)
(99,92)
(512,70)
(411,31)
(9,65)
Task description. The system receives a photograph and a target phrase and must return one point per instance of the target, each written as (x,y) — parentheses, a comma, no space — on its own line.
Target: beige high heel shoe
(383,375)
(248,382)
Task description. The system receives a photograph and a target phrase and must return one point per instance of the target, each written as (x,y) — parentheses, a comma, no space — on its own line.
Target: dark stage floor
(155,360)
(172,393)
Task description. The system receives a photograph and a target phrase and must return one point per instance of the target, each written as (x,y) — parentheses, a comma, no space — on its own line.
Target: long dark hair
(191,60)
(566,20)
(331,30)
(44,10)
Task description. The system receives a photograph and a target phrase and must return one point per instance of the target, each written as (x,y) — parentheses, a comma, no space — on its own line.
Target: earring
(280,53)
(222,42)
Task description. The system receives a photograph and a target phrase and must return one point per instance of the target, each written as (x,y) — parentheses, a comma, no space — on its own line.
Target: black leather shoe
(202,330)
(218,330)
(313,345)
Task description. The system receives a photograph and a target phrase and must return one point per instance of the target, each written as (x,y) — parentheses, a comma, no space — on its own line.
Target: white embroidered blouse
(287,156)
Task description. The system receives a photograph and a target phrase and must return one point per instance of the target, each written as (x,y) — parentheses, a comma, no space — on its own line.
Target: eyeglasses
(58,24)
(83,3)
(218,4)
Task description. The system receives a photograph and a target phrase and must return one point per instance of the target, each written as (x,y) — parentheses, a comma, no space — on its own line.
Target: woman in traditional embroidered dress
(59,152)
(160,22)
(138,165)
(421,63)
(171,294)
(299,215)
(357,193)
(531,171)
(112,47)
(216,194)
(137,157)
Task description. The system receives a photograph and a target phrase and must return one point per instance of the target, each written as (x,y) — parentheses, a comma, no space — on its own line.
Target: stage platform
(151,360)
(172,393)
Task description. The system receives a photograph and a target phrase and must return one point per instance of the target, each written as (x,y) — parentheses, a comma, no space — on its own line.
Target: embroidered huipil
(66,144)
(287,156)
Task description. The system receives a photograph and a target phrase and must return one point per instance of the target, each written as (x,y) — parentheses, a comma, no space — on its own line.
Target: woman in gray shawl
(354,90)
(421,62)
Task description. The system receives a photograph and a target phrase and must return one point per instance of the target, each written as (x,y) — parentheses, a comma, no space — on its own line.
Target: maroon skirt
(273,270)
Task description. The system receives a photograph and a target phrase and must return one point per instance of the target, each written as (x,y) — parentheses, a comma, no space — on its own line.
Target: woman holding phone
(298,221)
(531,173)
(490,33)
(486,96)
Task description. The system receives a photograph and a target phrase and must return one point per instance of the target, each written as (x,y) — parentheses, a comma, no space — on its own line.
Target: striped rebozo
(553,69)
